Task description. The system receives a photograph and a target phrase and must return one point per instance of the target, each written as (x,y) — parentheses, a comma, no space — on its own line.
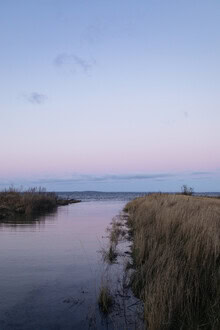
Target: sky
(110,95)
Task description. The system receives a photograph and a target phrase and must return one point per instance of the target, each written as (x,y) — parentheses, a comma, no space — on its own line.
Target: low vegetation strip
(176,260)
(32,201)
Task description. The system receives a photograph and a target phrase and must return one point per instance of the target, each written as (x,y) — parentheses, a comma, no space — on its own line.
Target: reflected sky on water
(51,268)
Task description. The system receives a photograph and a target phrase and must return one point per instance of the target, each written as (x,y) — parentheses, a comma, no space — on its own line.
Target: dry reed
(32,201)
(176,256)
(105,299)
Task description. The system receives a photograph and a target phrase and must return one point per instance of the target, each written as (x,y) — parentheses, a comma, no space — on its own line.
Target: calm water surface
(51,270)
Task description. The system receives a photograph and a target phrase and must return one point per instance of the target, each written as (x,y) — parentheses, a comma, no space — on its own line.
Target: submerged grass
(116,233)
(176,258)
(105,299)
(110,254)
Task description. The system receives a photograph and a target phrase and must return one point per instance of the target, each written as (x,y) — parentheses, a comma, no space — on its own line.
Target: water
(51,268)
(89,196)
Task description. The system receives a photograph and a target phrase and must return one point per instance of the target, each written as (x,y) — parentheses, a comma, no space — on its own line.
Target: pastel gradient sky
(117,95)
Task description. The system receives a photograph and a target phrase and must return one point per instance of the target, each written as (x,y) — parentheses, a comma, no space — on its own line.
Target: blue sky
(110,95)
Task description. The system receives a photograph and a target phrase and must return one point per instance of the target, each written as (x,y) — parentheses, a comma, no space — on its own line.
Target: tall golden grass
(176,255)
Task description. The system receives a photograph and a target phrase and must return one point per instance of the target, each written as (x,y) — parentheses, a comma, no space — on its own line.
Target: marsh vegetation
(105,299)
(116,300)
(15,202)
(176,260)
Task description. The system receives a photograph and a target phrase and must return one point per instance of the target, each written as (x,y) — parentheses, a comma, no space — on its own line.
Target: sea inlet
(51,266)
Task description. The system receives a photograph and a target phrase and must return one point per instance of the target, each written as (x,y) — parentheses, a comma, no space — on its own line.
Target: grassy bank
(32,201)
(176,260)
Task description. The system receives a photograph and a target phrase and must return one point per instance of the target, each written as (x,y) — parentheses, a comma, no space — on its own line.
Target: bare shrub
(188,191)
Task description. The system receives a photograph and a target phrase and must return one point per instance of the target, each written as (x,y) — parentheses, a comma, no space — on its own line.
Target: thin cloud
(93,33)
(133,177)
(104,178)
(36,98)
(201,173)
(73,61)
(186,114)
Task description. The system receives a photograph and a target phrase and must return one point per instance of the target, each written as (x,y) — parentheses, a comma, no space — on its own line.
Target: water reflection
(28,221)
(50,268)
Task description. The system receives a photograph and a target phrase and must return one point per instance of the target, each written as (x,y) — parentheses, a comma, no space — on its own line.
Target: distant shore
(33,201)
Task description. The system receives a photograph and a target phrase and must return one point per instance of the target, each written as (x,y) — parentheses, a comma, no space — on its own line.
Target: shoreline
(175,258)
(14,203)
(176,253)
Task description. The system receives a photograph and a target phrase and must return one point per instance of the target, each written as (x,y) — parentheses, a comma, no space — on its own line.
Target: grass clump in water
(105,300)
(116,233)
(110,254)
